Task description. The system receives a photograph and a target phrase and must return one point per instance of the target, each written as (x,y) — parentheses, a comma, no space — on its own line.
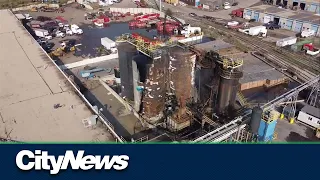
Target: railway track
(294,65)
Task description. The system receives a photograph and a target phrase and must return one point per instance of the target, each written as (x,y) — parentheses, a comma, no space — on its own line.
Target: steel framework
(237,124)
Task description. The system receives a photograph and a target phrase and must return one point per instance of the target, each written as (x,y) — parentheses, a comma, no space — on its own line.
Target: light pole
(160,5)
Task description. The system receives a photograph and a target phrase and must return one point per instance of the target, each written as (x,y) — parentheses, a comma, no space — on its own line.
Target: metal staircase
(241,99)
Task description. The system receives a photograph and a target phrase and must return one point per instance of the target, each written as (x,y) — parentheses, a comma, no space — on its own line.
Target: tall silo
(230,74)
(126,53)
(155,88)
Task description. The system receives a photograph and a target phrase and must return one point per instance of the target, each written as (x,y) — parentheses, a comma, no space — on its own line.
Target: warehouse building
(296,21)
(307,5)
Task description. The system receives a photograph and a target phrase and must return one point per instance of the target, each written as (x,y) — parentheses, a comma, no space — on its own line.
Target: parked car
(69,32)
(28,17)
(43,18)
(235,4)
(226,5)
(208,18)
(60,34)
(192,14)
(272,25)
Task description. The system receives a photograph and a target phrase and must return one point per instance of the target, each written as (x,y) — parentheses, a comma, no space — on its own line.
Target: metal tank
(182,75)
(153,100)
(126,52)
(256,116)
(228,88)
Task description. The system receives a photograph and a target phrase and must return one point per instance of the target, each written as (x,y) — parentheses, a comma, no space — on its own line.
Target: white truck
(109,44)
(307,33)
(76,30)
(286,41)
(42,33)
(188,30)
(255,31)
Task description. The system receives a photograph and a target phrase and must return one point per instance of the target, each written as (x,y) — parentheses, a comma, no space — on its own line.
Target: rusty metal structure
(175,78)
(181,85)
(154,93)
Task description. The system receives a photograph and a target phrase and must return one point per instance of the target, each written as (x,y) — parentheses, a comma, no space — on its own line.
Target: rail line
(304,68)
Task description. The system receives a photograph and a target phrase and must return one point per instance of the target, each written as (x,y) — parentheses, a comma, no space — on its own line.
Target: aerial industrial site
(160,71)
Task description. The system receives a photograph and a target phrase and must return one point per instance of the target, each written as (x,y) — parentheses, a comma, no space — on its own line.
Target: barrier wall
(34,5)
(89,61)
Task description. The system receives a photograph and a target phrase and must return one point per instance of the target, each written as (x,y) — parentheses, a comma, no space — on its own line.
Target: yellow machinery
(58,52)
(61,51)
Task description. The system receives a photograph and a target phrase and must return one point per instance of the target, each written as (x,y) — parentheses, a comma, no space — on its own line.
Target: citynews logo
(40,160)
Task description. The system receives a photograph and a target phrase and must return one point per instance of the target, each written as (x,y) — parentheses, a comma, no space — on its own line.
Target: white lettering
(122,162)
(19,160)
(43,161)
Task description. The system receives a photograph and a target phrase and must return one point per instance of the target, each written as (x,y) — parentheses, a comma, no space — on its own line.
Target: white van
(307,33)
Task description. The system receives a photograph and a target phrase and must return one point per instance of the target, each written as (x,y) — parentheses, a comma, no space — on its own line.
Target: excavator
(61,51)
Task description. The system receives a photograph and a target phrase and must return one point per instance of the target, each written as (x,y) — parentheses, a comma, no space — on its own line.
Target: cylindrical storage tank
(126,52)
(228,88)
(182,73)
(256,116)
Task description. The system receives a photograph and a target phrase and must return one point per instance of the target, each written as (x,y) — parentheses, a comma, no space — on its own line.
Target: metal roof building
(288,19)
(31,86)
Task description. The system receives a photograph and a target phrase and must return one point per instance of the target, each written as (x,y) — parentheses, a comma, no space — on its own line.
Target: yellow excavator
(58,52)
(61,51)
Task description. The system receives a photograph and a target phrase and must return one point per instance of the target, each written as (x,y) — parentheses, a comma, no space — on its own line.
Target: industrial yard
(149,75)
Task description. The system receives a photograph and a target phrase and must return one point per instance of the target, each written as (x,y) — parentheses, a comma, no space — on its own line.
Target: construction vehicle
(58,52)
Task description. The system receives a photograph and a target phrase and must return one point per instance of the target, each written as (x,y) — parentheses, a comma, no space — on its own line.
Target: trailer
(286,41)
(109,44)
(255,31)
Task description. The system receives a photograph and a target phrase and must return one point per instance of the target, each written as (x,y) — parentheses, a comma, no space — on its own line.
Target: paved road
(182,11)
